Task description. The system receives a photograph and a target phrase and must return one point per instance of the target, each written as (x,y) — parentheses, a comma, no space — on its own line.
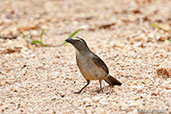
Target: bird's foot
(100,91)
(78,92)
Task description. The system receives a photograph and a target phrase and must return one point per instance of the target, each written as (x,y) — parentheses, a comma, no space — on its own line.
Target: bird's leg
(88,82)
(101,89)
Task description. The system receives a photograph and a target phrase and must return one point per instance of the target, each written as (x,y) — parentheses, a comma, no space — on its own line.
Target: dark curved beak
(69,40)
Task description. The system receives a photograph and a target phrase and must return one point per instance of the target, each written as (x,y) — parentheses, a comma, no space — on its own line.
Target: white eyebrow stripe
(75,38)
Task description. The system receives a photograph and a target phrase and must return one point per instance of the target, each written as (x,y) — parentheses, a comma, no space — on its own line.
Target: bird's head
(78,43)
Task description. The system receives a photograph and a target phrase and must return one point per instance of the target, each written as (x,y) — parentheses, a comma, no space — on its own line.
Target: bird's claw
(78,92)
(100,91)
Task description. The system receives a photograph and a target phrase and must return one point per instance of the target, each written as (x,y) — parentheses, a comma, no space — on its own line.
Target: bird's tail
(112,81)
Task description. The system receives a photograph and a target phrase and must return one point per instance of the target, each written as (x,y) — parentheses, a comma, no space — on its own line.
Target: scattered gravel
(36,79)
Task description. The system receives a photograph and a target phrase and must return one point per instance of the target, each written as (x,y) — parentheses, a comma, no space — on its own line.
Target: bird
(91,66)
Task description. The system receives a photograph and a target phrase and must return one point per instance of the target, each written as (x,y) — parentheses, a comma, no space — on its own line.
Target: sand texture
(36,79)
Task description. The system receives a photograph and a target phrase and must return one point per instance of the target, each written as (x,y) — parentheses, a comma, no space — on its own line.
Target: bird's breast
(88,68)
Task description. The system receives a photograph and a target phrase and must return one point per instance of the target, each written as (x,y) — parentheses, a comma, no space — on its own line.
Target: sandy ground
(36,79)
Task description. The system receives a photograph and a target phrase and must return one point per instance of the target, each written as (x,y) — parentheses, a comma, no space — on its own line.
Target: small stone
(154,94)
(164,70)
(1,104)
(62,96)
(139,91)
(1,85)
(7,82)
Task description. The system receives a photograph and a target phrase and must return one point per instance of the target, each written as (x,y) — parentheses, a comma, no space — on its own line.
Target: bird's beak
(69,40)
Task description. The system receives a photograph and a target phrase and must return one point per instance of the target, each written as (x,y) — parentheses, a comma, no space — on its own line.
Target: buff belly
(88,68)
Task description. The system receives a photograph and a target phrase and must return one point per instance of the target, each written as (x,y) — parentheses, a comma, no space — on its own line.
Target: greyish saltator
(90,65)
